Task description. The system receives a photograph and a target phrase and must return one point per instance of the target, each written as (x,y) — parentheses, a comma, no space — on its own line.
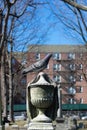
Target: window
(81,55)
(37,56)
(70,100)
(72,66)
(71,90)
(23,92)
(23,81)
(56,56)
(57,78)
(80,66)
(81,77)
(81,100)
(57,67)
(81,89)
(24,61)
(72,78)
(71,56)
(54,66)
(13,61)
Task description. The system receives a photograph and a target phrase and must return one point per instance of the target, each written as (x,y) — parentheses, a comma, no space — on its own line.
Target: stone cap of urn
(42,81)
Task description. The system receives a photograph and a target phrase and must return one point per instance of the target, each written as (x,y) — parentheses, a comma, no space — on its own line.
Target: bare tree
(16,26)
(71,14)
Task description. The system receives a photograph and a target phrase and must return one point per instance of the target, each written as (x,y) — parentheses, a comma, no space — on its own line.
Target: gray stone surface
(22,128)
(40,126)
(62,126)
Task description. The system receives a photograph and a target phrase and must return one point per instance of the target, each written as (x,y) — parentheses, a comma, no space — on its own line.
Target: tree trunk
(0,70)
(10,87)
(3,84)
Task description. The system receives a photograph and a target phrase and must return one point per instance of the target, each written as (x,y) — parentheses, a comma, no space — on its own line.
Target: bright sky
(59,37)
(57,33)
(46,28)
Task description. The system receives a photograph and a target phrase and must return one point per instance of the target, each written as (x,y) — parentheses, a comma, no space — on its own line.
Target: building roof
(20,55)
(57,48)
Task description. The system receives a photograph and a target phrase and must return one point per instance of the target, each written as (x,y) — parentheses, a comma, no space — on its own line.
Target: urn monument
(42,102)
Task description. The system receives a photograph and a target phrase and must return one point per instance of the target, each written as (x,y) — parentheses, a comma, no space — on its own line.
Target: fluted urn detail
(41,98)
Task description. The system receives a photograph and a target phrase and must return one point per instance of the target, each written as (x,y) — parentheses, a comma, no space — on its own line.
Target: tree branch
(76,5)
(82,18)
(10,3)
(80,26)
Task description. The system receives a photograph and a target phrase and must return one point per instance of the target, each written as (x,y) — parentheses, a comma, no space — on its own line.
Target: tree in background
(18,27)
(72,14)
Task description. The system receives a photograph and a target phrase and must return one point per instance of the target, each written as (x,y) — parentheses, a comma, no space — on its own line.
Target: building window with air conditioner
(72,67)
(56,67)
(80,66)
(71,90)
(57,56)
(72,79)
(81,78)
(57,78)
(71,101)
(37,56)
(71,56)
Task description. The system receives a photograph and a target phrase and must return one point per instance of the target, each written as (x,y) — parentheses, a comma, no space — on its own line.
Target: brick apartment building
(19,82)
(67,68)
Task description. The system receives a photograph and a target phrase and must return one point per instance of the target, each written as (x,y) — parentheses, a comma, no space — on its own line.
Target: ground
(64,126)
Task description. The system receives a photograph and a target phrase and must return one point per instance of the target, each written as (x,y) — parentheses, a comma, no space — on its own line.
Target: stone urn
(42,99)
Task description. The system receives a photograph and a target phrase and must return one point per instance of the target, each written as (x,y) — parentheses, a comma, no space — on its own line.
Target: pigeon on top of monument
(38,66)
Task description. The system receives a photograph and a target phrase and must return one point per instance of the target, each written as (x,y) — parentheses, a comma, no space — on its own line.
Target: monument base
(40,126)
(2,127)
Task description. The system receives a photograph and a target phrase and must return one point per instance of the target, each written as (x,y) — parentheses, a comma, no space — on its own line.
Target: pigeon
(38,66)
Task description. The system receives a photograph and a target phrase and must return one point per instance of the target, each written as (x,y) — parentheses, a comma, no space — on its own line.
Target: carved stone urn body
(42,98)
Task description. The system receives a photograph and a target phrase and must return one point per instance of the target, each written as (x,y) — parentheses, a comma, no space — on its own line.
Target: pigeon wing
(38,65)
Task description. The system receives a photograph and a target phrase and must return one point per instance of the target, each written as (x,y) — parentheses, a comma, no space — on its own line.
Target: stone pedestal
(40,126)
(2,127)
